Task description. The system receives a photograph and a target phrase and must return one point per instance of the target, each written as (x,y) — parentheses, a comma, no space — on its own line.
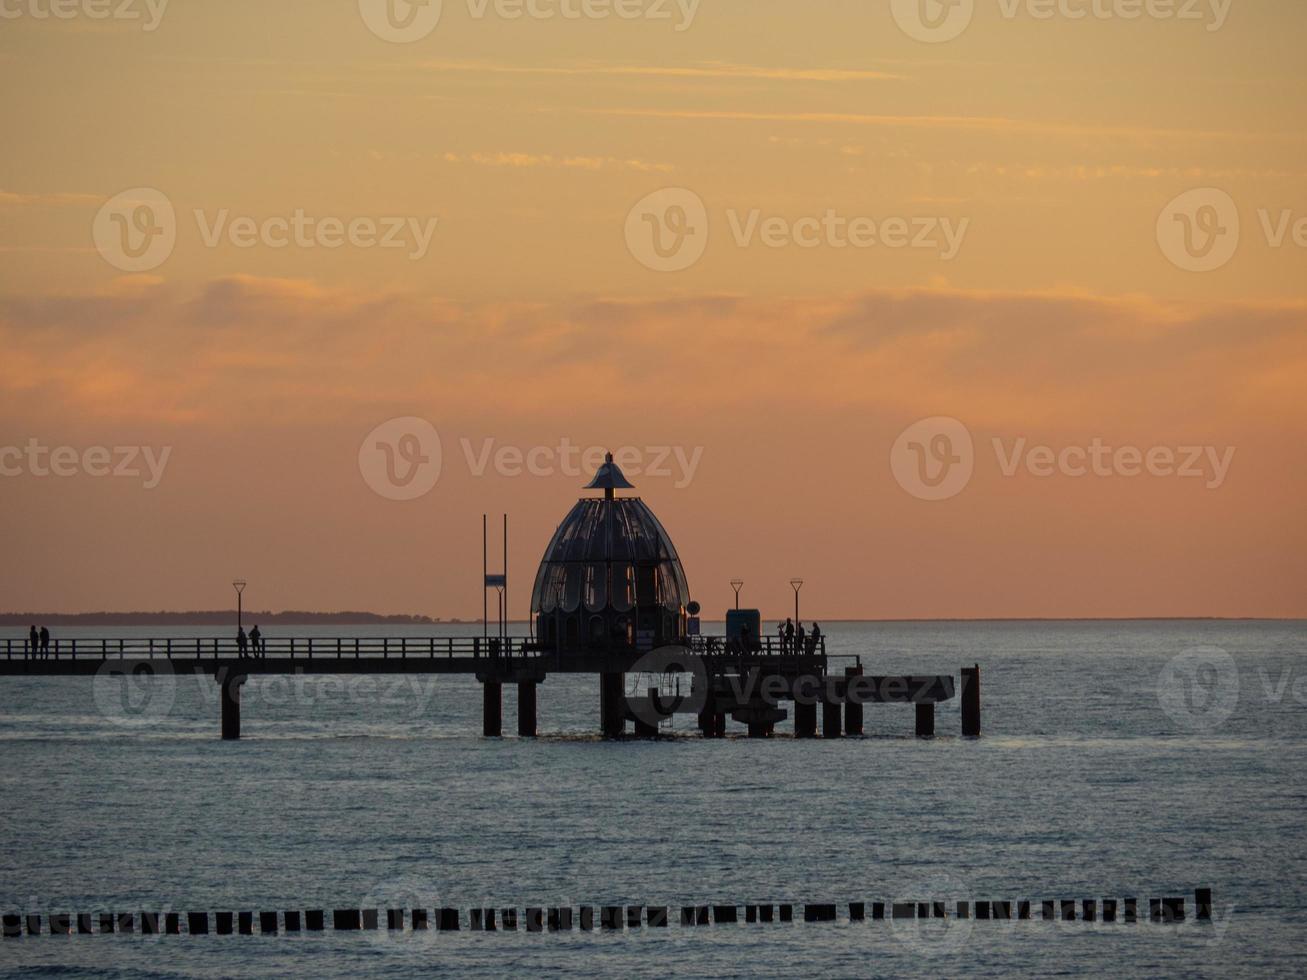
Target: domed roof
(610,553)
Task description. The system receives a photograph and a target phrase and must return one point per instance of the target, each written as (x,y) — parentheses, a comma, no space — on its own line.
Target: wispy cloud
(528,160)
(712,70)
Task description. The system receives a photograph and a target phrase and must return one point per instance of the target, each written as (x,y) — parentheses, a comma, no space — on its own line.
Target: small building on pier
(610,577)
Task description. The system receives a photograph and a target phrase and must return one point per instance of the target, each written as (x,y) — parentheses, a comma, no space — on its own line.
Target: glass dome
(610,577)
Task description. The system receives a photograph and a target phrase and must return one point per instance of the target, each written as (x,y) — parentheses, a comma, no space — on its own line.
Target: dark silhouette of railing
(360,648)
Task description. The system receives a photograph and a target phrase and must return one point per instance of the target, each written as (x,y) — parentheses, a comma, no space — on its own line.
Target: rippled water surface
(1118,759)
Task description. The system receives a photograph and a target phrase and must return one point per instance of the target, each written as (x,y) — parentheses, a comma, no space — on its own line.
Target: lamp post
(737,584)
(796,584)
(239,586)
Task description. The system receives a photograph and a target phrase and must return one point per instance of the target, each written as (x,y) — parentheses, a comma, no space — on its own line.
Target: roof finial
(609,477)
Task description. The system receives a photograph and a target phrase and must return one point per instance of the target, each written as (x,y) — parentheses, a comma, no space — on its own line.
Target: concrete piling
(417,920)
(526,709)
(1131,909)
(508,920)
(222,923)
(982,910)
(1023,910)
(805,719)
(904,910)
(831,720)
(1048,912)
(33,924)
(535,918)
(963,910)
(1089,910)
(787,913)
(126,922)
(610,917)
(231,706)
(149,923)
(612,705)
(314,920)
(971,702)
(1068,910)
(634,916)
(725,914)
(13,926)
(766,913)
(1109,910)
(268,923)
(85,922)
(701,915)
(492,709)
(370,918)
(925,719)
(293,919)
(1203,904)
(687,915)
(656,916)
(343,919)
(857,911)
(60,924)
(1003,910)
(447,920)
(819,913)
(1173,910)
(1155,910)
(394,919)
(587,918)
(245,923)
(750,913)
(852,710)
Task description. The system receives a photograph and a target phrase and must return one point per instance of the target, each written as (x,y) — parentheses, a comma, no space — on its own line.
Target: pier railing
(360,648)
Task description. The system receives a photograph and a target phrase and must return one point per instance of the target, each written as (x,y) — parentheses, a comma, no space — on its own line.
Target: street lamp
(239,586)
(796,584)
(737,584)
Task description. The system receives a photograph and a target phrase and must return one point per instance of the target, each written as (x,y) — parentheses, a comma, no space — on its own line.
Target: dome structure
(610,577)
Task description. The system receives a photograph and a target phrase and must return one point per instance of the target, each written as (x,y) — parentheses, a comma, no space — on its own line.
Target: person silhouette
(780,636)
(45,643)
(799,646)
(815,636)
(242,642)
(34,642)
(256,639)
(789,633)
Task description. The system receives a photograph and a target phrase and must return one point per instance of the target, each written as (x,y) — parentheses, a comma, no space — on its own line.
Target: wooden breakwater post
(971,701)
(612,705)
(1203,904)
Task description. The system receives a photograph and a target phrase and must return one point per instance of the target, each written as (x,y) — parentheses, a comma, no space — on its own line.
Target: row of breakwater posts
(587,918)
(703,678)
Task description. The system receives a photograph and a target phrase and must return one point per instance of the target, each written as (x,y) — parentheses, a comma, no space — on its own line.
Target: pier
(610,598)
(703,677)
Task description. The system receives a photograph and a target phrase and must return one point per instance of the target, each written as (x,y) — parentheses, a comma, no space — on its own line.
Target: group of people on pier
(795,639)
(252,645)
(38,643)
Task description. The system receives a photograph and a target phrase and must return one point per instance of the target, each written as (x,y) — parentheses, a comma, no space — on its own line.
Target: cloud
(519,160)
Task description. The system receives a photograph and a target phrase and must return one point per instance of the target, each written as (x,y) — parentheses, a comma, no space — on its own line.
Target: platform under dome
(610,576)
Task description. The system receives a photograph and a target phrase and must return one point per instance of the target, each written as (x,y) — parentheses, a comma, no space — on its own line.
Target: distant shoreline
(304,618)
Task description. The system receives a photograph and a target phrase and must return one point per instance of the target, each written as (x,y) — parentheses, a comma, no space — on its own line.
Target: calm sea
(1119,759)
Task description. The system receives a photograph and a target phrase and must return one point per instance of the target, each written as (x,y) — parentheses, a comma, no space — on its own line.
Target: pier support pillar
(526,709)
(925,719)
(805,719)
(231,706)
(971,702)
(830,718)
(612,706)
(711,723)
(761,729)
(492,709)
(852,711)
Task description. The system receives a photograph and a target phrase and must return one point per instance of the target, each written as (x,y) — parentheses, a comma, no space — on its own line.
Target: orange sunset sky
(779,366)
